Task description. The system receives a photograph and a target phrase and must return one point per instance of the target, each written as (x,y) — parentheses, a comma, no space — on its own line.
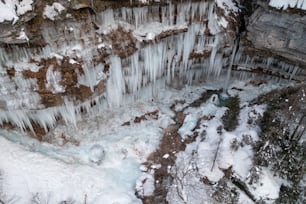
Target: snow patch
(51,12)
(268,186)
(23,36)
(284,4)
(11,10)
(229,6)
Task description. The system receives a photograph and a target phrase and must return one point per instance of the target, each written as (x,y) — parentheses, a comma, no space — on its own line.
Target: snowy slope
(213,152)
(75,172)
(103,162)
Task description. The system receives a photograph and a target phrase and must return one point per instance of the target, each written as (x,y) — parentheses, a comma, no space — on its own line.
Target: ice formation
(284,4)
(52,11)
(53,80)
(269,64)
(10,10)
(169,59)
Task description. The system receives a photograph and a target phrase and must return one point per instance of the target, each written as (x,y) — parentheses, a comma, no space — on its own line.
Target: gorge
(75,73)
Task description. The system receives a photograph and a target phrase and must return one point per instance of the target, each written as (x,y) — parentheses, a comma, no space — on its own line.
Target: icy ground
(99,160)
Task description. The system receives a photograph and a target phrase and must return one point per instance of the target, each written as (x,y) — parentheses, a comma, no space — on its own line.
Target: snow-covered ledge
(285,4)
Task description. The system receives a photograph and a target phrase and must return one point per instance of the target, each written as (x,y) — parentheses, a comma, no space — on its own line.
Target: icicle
(212,21)
(46,118)
(189,40)
(232,59)
(19,118)
(68,112)
(218,64)
(294,72)
(134,81)
(203,7)
(107,18)
(138,16)
(171,14)
(213,55)
(88,78)
(115,84)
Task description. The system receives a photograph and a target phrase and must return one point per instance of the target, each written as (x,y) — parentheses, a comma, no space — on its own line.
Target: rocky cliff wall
(58,58)
(276,34)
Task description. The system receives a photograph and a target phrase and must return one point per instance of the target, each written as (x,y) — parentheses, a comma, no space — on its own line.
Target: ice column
(115,84)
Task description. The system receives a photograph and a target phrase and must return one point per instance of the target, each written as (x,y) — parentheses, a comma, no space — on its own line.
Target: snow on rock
(54,80)
(92,75)
(23,36)
(229,6)
(11,10)
(223,22)
(20,66)
(51,12)
(150,30)
(189,124)
(268,186)
(284,4)
(145,184)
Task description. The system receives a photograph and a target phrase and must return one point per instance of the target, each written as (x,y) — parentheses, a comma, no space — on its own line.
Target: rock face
(285,36)
(58,58)
(281,33)
(68,56)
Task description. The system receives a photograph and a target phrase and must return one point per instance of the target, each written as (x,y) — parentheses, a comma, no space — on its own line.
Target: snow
(223,22)
(145,184)
(20,66)
(229,6)
(72,61)
(104,167)
(149,31)
(166,156)
(51,12)
(96,154)
(23,36)
(212,151)
(284,4)
(267,188)
(189,124)
(93,157)
(57,181)
(97,159)
(11,10)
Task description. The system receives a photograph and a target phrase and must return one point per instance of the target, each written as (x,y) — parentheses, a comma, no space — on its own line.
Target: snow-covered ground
(99,160)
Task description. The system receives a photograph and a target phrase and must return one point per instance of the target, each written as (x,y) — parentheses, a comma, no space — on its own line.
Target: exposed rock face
(58,58)
(274,41)
(281,33)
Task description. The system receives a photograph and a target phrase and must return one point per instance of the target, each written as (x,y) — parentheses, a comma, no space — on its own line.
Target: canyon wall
(58,58)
